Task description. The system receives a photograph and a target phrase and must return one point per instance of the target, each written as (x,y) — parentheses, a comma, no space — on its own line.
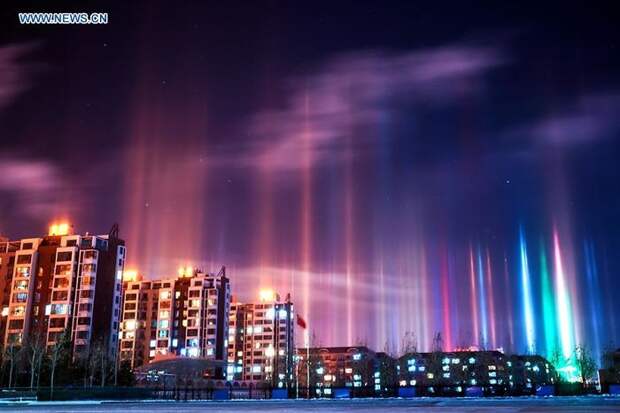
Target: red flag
(301,322)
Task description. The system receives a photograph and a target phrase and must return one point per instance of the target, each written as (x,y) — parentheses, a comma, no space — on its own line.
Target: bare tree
(11,355)
(57,352)
(35,349)
(585,363)
(409,343)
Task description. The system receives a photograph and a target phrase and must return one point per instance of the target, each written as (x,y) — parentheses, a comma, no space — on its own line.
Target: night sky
(396,167)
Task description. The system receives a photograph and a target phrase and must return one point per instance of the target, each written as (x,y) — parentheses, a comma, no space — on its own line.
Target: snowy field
(452,405)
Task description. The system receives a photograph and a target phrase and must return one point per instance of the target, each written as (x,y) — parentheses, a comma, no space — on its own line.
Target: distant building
(63,282)
(459,368)
(357,368)
(526,372)
(261,341)
(185,316)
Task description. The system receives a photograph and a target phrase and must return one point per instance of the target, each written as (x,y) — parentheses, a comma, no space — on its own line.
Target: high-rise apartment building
(63,282)
(185,316)
(7,262)
(261,341)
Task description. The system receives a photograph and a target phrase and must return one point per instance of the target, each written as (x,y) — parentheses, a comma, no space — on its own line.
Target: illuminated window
(357,356)
(472,360)
(430,376)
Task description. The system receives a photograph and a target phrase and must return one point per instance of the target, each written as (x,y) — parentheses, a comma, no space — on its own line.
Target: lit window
(422,368)
(403,383)
(282,314)
(256,368)
(319,370)
(269,314)
(430,376)
(412,382)
(357,356)
(446,375)
(348,370)
(472,360)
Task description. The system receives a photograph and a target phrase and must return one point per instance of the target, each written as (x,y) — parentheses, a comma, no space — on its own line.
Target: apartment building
(7,262)
(358,368)
(64,282)
(261,341)
(186,316)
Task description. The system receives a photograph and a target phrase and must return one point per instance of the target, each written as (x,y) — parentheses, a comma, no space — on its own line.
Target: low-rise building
(323,370)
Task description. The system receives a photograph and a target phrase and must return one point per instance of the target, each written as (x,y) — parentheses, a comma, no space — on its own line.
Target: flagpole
(308,362)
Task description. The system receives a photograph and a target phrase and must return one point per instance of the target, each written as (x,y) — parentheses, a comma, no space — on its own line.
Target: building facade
(61,283)
(185,316)
(359,369)
(261,342)
(7,262)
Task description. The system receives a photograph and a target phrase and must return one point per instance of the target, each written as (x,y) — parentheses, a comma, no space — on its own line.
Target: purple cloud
(351,92)
(33,183)
(14,75)
(593,117)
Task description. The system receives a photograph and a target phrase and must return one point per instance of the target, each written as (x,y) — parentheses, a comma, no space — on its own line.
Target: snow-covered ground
(419,405)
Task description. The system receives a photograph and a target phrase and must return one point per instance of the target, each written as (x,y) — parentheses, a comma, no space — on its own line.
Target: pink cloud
(14,75)
(34,184)
(350,92)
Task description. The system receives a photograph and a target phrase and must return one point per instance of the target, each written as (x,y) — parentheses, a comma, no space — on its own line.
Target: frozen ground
(434,405)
